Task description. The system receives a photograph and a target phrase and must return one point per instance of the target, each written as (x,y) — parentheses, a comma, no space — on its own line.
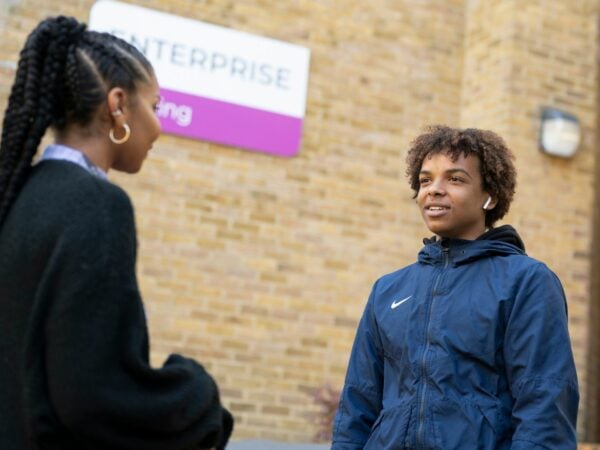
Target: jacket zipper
(421,429)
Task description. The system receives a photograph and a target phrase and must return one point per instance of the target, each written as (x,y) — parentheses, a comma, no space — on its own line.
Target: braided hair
(64,74)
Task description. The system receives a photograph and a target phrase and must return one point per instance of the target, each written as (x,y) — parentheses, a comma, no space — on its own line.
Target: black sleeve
(100,382)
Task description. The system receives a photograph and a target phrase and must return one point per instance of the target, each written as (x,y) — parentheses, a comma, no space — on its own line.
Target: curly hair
(498,173)
(63,75)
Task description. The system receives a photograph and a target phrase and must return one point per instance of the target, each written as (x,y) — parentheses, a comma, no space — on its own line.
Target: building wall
(592,400)
(259,267)
(521,56)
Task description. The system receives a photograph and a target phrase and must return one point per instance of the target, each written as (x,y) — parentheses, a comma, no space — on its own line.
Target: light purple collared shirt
(64,153)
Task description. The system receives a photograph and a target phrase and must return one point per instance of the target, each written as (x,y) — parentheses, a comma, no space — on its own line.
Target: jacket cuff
(226,430)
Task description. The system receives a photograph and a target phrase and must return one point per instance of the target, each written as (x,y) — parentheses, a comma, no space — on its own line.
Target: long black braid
(63,75)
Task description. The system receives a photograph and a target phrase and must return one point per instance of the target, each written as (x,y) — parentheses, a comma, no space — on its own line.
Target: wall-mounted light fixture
(560,133)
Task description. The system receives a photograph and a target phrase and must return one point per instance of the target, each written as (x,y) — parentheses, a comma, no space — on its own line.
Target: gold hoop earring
(111,135)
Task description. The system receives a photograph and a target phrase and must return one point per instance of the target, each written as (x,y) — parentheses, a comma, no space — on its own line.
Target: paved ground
(271,445)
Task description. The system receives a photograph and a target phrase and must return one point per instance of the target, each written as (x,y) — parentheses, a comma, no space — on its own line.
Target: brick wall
(300,241)
(519,57)
(592,417)
(260,266)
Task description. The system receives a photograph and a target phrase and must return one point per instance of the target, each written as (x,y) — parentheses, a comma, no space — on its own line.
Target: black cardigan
(74,366)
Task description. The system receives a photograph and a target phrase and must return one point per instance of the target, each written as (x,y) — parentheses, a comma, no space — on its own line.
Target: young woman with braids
(74,366)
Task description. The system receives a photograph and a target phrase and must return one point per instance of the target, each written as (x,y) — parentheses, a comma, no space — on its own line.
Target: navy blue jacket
(466,349)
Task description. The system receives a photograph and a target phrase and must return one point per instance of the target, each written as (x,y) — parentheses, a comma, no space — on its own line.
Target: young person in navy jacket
(467,348)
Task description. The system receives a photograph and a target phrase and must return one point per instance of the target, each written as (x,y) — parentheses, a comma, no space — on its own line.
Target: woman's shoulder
(66,183)
(70,201)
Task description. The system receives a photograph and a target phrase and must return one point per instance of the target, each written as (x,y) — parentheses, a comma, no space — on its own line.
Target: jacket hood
(501,241)
(505,233)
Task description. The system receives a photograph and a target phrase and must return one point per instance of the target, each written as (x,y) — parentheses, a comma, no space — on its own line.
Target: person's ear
(116,100)
(118,115)
(490,203)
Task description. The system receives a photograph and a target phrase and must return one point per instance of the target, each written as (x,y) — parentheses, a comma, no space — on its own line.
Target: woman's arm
(100,382)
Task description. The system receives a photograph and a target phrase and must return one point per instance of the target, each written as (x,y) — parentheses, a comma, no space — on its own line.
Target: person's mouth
(436,210)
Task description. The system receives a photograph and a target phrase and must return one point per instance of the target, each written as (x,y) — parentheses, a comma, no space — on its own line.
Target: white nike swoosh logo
(398,303)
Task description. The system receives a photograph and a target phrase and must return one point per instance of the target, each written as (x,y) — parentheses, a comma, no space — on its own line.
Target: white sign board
(217,84)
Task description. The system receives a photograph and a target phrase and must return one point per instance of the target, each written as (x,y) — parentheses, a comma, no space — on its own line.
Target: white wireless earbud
(487,203)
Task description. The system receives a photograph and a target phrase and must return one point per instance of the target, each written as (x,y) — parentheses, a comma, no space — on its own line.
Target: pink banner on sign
(226,123)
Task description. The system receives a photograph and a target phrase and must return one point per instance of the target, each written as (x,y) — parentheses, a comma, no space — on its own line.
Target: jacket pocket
(462,425)
(390,429)
(499,422)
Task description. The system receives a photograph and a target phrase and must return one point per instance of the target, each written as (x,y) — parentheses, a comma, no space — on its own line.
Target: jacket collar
(502,241)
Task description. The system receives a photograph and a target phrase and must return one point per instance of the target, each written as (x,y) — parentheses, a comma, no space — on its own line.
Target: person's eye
(423,180)
(456,179)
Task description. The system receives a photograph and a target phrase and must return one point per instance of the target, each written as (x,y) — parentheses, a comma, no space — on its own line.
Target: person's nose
(437,188)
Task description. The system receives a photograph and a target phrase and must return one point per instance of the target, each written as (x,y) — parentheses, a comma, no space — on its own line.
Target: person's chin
(130,168)
(136,169)
(436,227)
